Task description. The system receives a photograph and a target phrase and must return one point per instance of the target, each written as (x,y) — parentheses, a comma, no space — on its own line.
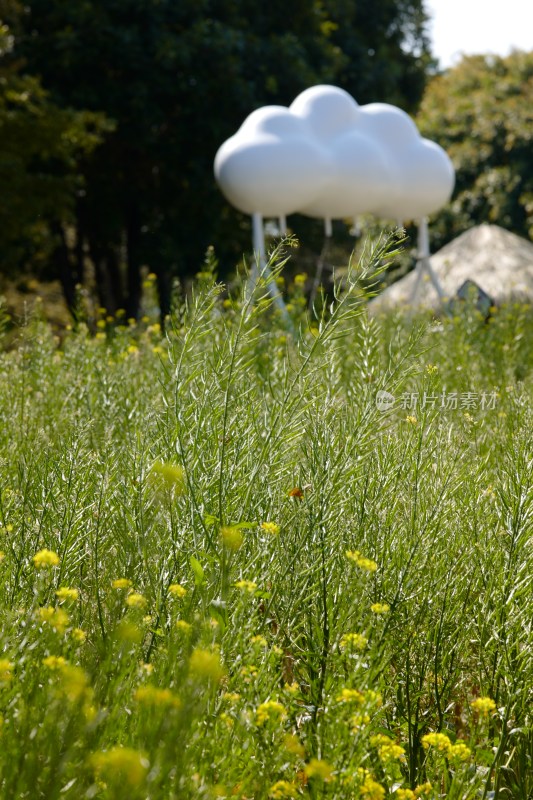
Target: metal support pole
(423,264)
(260,266)
(283,225)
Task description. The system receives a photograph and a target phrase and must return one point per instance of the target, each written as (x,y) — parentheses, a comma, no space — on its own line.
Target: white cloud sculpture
(326,156)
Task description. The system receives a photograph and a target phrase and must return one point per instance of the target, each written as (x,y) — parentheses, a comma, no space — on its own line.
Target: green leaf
(198,571)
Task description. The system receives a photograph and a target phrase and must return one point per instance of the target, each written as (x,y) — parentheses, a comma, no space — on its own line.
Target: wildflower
(271,527)
(380,608)
(358,721)
(484,706)
(2,555)
(282,790)
(371,789)
(423,790)
(155,696)
(246,586)
(300,279)
(317,768)
(54,662)
(177,590)
(248,673)
(351,696)
(297,493)
(182,626)
(136,600)
(439,741)
(373,698)
(6,670)
(291,688)
(431,369)
(459,752)
(65,593)
(75,682)
(366,564)
(411,420)
(120,765)
(405,794)
(129,632)
(387,749)
(293,745)
(231,697)
(269,711)
(78,635)
(55,617)
(228,721)
(353,641)
(206,665)
(259,641)
(45,558)
(231,537)
(122,583)
(167,475)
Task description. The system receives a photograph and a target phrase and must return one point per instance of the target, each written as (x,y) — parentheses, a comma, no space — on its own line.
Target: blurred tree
(41,149)
(178,78)
(481,112)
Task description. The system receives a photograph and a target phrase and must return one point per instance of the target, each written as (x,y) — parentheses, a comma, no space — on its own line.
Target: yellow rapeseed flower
(281,790)
(370,789)
(121,583)
(439,741)
(177,590)
(459,752)
(380,608)
(246,586)
(424,789)
(484,706)
(270,711)
(387,749)
(183,627)
(75,683)
(351,696)
(6,670)
(65,593)
(362,562)
(317,768)
(155,696)
(206,665)
(120,765)
(271,527)
(167,475)
(353,641)
(231,537)
(293,745)
(54,662)
(136,600)
(55,617)
(405,794)
(45,558)
(78,635)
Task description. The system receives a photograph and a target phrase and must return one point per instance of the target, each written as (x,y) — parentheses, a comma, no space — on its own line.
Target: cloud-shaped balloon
(326,156)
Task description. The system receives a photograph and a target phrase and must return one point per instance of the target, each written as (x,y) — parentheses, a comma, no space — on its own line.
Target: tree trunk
(133,262)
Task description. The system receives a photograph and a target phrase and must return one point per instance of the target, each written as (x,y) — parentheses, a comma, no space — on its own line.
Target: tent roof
(498,261)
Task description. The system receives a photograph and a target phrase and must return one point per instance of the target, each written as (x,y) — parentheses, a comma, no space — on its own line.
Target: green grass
(157,459)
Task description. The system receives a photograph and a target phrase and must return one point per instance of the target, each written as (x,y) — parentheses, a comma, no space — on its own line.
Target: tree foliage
(178,78)
(481,112)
